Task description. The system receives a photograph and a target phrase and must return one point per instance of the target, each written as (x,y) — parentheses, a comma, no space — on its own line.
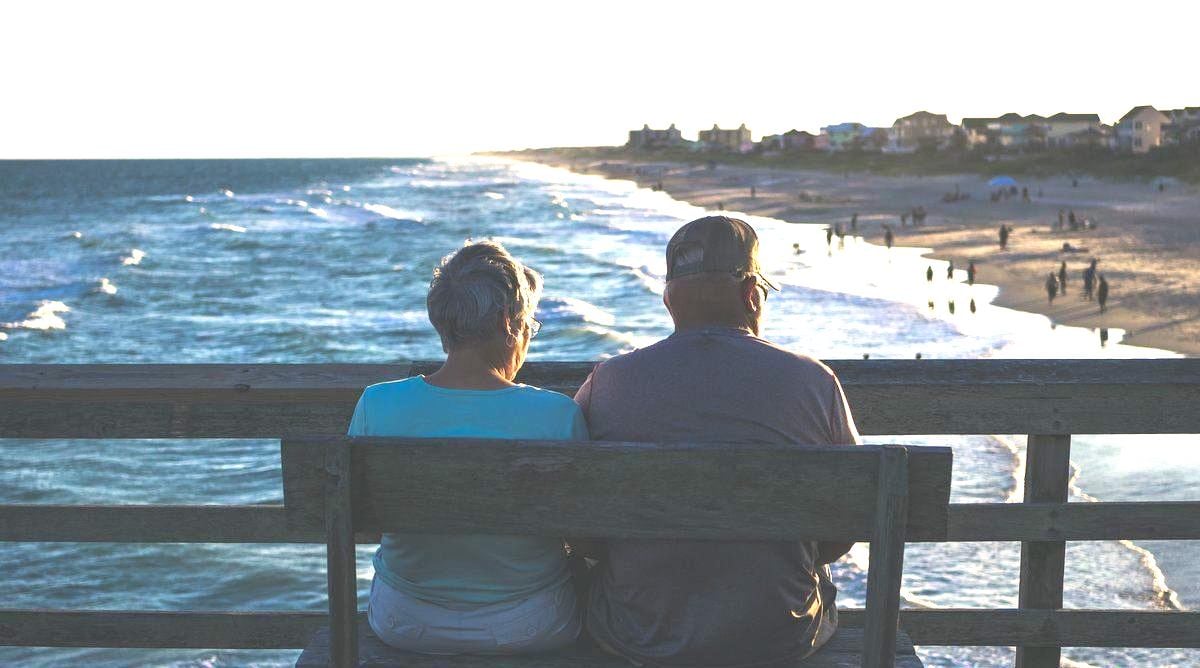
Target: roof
(917,114)
(1137,110)
(976,123)
(1077,118)
(1010,117)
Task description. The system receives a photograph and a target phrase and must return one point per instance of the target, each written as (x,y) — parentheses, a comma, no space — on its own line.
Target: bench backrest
(615,490)
(612,490)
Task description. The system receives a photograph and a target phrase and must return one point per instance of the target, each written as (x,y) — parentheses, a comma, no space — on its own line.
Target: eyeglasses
(535,326)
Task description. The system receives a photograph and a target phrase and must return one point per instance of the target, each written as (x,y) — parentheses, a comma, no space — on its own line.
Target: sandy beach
(1147,242)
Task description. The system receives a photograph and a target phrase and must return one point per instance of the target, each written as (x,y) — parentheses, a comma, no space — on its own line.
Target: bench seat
(844,650)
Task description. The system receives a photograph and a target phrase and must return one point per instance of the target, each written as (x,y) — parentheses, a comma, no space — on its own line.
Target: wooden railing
(1048,400)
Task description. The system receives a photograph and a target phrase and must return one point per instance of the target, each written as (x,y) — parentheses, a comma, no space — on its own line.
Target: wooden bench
(880,494)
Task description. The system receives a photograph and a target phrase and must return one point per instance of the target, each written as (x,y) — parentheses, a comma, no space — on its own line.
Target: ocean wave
(44,318)
(572,309)
(106,287)
(135,257)
(227,227)
(393,214)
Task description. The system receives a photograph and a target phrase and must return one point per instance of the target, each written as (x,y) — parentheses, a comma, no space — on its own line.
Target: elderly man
(704,603)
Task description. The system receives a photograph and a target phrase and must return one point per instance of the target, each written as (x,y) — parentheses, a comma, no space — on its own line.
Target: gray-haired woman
(446,594)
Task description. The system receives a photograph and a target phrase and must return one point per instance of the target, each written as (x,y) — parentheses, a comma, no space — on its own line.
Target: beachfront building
(1065,130)
(976,132)
(647,138)
(852,137)
(1141,129)
(922,129)
(1012,131)
(737,140)
(792,141)
(1185,126)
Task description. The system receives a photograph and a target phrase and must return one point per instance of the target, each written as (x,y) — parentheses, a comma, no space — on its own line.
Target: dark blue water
(329,260)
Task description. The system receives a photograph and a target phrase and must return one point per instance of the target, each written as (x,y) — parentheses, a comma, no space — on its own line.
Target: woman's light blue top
(468,569)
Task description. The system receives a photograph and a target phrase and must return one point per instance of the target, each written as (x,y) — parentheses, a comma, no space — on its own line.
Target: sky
(184,79)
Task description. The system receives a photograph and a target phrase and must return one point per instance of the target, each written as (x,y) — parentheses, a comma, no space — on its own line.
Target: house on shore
(1065,130)
(1185,125)
(737,140)
(792,141)
(853,137)
(1010,131)
(922,129)
(1141,129)
(647,138)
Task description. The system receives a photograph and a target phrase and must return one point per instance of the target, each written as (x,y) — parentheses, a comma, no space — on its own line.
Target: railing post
(341,569)
(1047,477)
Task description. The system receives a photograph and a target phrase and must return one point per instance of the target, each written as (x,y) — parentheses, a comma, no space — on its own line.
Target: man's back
(700,602)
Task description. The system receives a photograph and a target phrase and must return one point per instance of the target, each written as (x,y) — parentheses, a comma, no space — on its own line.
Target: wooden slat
(268,523)
(844,650)
(1143,520)
(887,397)
(150,524)
(1047,477)
(596,489)
(1051,628)
(292,629)
(158,629)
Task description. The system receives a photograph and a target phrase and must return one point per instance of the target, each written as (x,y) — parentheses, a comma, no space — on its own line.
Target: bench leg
(887,559)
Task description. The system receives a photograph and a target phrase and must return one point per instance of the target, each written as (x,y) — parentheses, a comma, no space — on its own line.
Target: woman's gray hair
(475,289)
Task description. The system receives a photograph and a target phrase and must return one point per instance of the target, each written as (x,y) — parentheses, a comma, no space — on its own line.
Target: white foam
(227,192)
(44,318)
(388,212)
(228,227)
(106,287)
(492,195)
(135,257)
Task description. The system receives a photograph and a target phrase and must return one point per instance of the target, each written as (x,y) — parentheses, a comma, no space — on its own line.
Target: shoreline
(1147,242)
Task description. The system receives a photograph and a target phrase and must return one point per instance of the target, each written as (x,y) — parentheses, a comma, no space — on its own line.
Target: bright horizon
(223,79)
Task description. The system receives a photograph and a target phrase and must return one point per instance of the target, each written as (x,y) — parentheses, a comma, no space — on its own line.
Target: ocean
(329,261)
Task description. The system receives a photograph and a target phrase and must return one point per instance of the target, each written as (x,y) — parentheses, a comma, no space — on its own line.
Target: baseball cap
(714,244)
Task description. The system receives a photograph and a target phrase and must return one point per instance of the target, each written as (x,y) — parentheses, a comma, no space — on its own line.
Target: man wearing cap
(707,603)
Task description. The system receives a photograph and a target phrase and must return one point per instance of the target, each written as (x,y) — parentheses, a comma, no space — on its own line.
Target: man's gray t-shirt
(704,602)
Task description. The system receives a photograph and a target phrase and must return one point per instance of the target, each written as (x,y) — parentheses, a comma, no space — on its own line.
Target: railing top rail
(887,396)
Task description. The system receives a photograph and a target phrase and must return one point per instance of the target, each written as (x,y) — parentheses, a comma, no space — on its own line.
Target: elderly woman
(476,594)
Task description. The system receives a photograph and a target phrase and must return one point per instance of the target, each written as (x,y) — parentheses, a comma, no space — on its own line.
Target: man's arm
(842,432)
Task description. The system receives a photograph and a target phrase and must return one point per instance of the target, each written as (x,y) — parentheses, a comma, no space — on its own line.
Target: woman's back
(468,570)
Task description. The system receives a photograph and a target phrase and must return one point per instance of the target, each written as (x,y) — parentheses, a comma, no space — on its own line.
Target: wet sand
(1147,242)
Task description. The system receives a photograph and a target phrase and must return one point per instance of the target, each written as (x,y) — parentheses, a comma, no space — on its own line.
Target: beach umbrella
(1002,182)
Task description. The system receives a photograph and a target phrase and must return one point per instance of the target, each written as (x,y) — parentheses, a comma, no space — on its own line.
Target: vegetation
(1179,162)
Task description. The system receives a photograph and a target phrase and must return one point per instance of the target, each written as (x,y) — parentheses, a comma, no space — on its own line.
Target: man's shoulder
(750,348)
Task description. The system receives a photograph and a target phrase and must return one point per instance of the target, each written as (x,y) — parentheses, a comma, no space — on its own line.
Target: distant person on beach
(464,591)
(1024,194)
(950,270)
(971,272)
(854,223)
(1051,287)
(888,237)
(1061,215)
(929,274)
(1071,220)
(753,192)
(1062,278)
(1003,237)
(1102,293)
(1089,280)
(829,236)
(715,603)
(904,219)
